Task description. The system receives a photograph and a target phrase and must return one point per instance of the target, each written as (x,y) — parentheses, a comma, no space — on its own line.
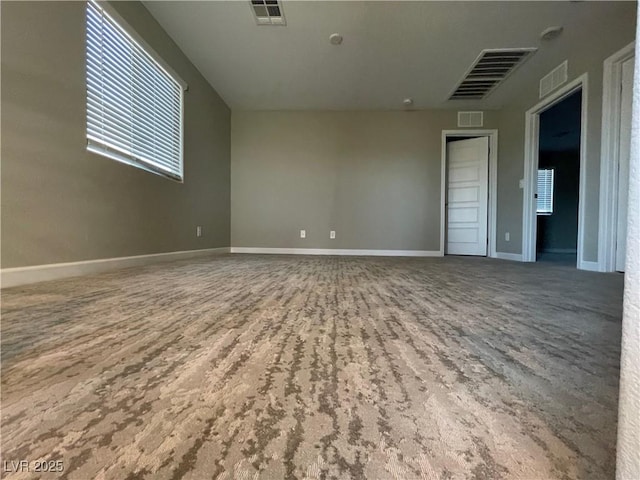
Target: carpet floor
(274,367)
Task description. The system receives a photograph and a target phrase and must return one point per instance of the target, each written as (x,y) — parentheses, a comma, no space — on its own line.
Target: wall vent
(470,119)
(268,12)
(488,70)
(554,79)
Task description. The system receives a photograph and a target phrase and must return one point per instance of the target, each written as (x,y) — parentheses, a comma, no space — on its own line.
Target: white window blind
(134,106)
(545,191)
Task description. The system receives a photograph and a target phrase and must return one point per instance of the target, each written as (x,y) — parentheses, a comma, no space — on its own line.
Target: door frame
(492,201)
(610,157)
(531,153)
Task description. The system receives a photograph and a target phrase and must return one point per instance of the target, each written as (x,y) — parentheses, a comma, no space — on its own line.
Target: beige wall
(61,203)
(510,171)
(610,27)
(373,177)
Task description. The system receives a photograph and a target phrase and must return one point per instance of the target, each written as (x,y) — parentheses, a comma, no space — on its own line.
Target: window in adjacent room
(134,101)
(545,191)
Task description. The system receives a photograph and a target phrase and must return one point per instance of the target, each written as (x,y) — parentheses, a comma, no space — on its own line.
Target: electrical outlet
(303,234)
(521,183)
(332,234)
(507,236)
(199,231)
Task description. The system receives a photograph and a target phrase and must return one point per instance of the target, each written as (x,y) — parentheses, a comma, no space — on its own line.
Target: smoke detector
(551,33)
(335,39)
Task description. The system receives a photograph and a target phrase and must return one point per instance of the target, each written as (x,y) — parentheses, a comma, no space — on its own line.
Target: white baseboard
(337,251)
(11,277)
(590,266)
(516,257)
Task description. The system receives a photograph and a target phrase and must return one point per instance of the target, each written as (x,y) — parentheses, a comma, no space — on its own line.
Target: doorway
(469,177)
(532,162)
(624,152)
(558,182)
(614,161)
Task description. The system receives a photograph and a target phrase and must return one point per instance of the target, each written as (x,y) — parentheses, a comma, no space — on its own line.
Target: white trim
(590,266)
(609,159)
(532,127)
(11,277)
(516,257)
(338,251)
(492,210)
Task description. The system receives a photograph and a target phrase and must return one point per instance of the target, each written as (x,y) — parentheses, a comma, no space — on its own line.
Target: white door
(467,191)
(623,164)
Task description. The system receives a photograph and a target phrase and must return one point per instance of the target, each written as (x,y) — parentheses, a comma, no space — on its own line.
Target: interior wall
(61,203)
(373,177)
(628,460)
(611,27)
(510,171)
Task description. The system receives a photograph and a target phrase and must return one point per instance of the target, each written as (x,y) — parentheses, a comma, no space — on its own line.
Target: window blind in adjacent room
(545,191)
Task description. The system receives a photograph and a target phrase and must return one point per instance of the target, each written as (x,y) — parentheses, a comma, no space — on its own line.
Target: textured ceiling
(391,50)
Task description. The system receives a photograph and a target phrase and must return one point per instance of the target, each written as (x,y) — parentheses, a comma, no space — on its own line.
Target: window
(545,191)
(134,105)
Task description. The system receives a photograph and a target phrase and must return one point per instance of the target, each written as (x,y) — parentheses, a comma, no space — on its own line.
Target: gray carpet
(315,367)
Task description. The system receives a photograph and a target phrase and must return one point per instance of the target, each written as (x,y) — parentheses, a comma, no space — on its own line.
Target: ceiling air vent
(268,12)
(490,69)
(554,79)
(470,119)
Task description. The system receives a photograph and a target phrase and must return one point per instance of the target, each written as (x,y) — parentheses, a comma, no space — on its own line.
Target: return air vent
(490,69)
(470,119)
(554,79)
(268,12)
